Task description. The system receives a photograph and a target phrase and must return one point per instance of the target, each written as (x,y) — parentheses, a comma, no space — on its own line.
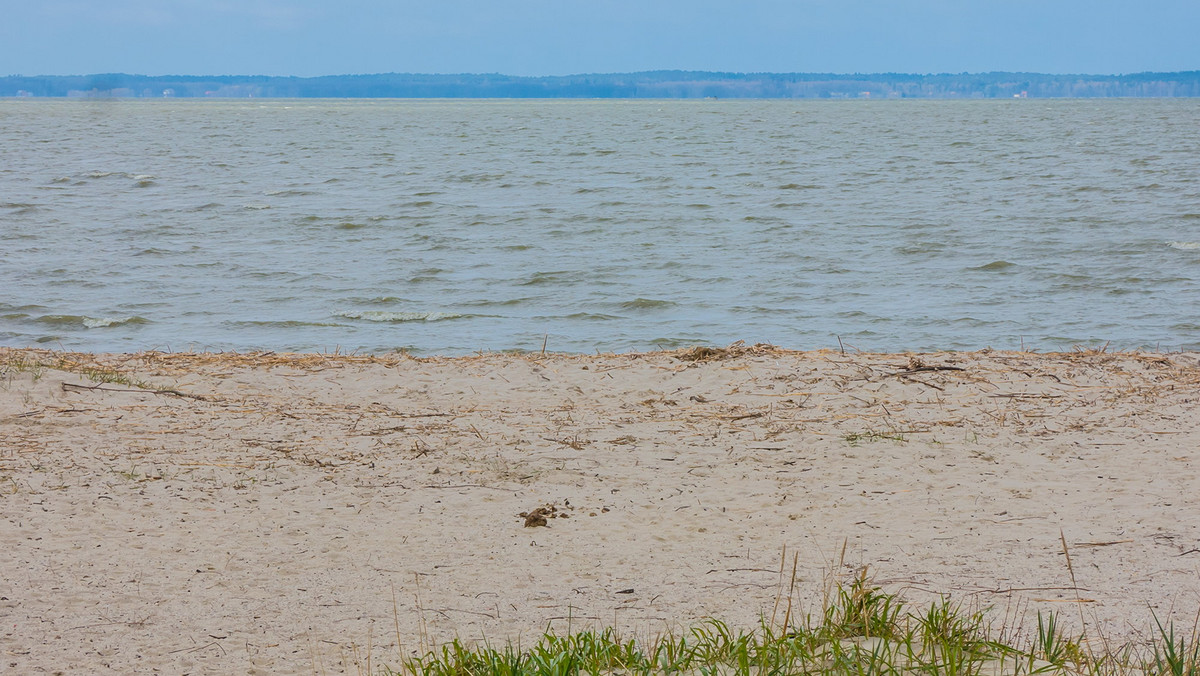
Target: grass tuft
(1176,656)
(861,631)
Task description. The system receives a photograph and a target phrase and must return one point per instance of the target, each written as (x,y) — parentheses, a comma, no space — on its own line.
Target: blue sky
(557,37)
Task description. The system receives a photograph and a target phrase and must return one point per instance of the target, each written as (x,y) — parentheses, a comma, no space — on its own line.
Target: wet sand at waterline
(289,513)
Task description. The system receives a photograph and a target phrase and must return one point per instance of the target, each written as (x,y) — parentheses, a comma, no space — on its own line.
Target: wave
(590,317)
(1186,246)
(380,316)
(90,322)
(675,342)
(284,324)
(646,304)
(377,300)
(507,302)
(995,265)
(553,277)
(103,322)
(107,174)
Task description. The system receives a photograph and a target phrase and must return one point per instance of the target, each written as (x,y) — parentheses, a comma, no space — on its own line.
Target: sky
(561,37)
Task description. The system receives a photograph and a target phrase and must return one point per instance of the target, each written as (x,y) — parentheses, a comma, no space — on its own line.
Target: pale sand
(300,508)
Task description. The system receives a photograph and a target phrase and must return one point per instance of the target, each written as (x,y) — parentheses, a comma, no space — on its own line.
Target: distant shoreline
(642,85)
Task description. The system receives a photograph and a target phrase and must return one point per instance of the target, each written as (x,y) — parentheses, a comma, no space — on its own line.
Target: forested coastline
(652,84)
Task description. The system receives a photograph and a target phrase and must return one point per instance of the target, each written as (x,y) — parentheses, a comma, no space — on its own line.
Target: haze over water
(455,226)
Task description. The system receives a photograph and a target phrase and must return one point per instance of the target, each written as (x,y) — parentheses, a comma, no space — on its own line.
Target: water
(455,226)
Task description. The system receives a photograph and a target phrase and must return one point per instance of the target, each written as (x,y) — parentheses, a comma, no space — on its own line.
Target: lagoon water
(455,226)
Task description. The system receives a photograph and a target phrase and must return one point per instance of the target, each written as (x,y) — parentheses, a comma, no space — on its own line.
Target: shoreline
(229,512)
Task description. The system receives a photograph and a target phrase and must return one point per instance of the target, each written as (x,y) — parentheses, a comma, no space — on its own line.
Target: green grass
(16,362)
(856,438)
(861,631)
(103,376)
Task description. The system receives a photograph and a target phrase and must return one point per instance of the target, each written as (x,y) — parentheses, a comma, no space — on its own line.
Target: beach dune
(289,513)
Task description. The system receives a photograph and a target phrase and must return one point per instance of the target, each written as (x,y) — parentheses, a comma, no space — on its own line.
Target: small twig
(137,623)
(757,414)
(925,369)
(1027,589)
(917,380)
(67,387)
(200,647)
(460,610)
(465,486)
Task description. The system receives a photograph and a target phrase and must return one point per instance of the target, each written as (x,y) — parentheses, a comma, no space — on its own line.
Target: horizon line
(612,73)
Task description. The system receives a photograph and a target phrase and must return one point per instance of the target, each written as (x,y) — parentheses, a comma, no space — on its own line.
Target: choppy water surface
(449,227)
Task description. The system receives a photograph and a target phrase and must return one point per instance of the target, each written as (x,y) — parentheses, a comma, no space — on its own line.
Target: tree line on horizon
(652,84)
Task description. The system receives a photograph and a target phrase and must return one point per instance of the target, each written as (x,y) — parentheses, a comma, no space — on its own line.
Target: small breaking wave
(552,277)
(284,324)
(1185,246)
(108,174)
(590,317)
(995,265)
(104,322)
(90,322)
(19,208)
(380,316)
(646,304)
(378,300)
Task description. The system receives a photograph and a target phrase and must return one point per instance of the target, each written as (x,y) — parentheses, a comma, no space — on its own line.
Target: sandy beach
(285,513)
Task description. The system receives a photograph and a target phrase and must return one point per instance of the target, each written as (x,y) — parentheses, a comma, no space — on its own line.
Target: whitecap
(1184,245)
(101,322)
(380,316)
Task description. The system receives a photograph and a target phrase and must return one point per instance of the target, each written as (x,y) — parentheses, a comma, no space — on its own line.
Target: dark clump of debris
(541,516)
(703,353)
